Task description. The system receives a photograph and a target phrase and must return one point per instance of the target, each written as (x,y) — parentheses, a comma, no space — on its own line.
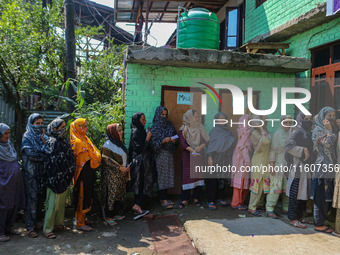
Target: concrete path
(258,236)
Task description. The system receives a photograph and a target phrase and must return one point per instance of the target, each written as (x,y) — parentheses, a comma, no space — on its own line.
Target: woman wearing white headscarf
(194,138)
(11,185)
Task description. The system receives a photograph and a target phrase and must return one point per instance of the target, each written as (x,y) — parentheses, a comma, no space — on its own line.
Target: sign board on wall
(184,98)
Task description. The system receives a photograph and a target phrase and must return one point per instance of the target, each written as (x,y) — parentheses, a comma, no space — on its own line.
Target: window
(326,77)
(231,32)
(259,2)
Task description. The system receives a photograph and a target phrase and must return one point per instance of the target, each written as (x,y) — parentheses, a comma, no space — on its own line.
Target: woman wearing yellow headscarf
(87,158)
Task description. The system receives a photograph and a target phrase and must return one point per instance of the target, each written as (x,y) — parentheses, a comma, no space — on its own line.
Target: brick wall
(272,14)
(142,78)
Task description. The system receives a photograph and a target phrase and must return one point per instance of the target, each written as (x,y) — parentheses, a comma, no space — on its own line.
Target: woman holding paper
(194,138)
(115,173)
(164,141)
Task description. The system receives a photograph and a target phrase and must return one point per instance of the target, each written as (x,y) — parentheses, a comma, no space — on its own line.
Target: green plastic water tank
(198,28)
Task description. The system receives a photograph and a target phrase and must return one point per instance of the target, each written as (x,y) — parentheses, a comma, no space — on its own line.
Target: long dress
(240,179)
(113,180)
(12,194)
(60,168)
(87,158)
(164,153)
(33,152)
(140,156)
(336,196)
(188,164)
(260,180)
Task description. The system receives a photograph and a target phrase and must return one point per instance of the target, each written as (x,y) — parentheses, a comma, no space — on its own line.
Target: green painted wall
(272,14)
(142,78)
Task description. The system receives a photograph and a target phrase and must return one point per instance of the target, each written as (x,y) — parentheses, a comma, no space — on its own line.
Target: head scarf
(318,125)
(7,151)
(192,131)
(221,138)
(243,133)
(32,137)
(138,134)
(60,166)
(280,137)
(113,136)
(83,148)
(161,128)
(55,124)
(301,136)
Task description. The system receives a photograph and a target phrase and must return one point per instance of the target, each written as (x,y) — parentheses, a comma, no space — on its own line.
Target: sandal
(241,208)
(181,205)
(327,230)
(144,212)
(84,228)
(211,206)
(298,224)
(167,205)
(222,202)
(32,233)
(4,238)
(302,220)
(118,217)
(271,215)
(50,235)
(255,213)
(110,222)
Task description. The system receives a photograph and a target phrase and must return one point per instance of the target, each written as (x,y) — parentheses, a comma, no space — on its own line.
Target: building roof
(165,11)
(215,59)
(89,13)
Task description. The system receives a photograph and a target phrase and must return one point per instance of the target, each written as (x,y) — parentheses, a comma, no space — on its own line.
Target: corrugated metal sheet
(47,115)
(7,113)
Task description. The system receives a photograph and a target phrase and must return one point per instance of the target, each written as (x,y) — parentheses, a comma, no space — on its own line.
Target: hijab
(138,134)
(221,138)
(280,136)
(318,125)
(32,136)
(7,151)
(301,136)
(192,131)
(83,148)
(161,128)
(60,167)
(113,136)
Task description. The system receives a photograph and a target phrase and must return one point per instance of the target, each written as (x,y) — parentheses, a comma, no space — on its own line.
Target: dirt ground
(127,237)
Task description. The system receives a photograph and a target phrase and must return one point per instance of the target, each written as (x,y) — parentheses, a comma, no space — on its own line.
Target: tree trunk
(70,50)
(20,129)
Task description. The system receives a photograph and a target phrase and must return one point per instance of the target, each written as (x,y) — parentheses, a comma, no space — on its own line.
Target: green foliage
(31,48)
(102,74)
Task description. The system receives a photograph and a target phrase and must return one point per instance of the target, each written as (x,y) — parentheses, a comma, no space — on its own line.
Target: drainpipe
(124,76)
(180,8)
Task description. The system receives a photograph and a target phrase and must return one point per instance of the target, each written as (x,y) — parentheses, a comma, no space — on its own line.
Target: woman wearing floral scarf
(87,158)
(164,147)
(33,150)
(60,169)
(323,181)
(11,185)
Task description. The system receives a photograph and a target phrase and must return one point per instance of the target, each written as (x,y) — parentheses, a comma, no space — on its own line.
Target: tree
(31,53)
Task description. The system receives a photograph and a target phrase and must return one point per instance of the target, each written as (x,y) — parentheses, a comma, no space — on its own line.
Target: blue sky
(161,31)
